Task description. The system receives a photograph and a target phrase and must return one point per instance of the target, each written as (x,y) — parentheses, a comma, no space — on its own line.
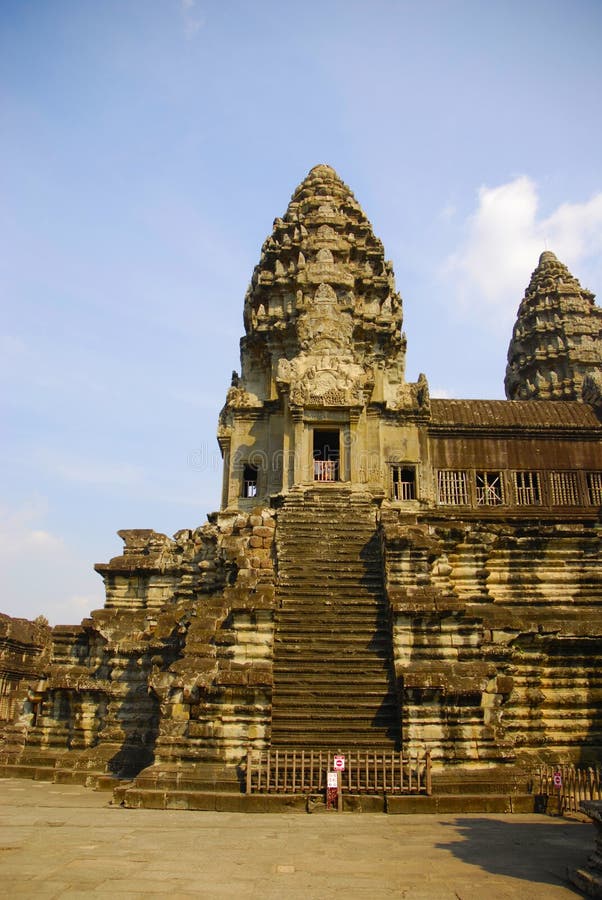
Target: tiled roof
(514,413)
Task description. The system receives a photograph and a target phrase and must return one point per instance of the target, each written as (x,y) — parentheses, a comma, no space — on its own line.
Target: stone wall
(176,668)
(497,633)
(24,658)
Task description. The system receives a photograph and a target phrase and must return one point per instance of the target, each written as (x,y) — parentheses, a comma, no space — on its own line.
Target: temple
(387,572)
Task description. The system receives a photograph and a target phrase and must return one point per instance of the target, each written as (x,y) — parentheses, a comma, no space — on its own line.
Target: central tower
(322,345)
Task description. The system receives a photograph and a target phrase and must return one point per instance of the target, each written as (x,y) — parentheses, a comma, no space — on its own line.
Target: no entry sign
(339,763)
(557,779)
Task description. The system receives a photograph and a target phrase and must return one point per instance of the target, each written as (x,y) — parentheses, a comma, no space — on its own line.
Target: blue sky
(147,146)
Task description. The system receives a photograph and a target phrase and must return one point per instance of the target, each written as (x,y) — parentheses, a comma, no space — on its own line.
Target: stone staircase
(333,684)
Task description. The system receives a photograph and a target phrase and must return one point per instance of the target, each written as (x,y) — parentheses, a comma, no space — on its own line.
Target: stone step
(330,692)
(341,712)
(305,560)
(308,585)
(313,532)
(332,610)
(307,595)
(347,707)
(323,538)
(336,694)
(313,638)
(340,621)
(328,653)
(339,614)
(329,614)
(355,671)
(305,565)
(376,739)
(356,665)
(325,680)
(350,593)
(340,588)
(339,667)
(326,499)
(332,732)
(351,510)
(326,641)
(332,645)
(310,602)
(359,658)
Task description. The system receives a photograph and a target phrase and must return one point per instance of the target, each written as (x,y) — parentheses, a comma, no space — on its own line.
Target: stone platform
(63,841)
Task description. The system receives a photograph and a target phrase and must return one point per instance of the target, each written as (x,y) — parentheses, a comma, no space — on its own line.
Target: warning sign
(332,780)
(557,779)
(339,763)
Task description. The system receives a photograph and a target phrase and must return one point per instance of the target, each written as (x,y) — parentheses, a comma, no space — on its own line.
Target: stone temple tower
(388,573)
(556,340)
(323,348)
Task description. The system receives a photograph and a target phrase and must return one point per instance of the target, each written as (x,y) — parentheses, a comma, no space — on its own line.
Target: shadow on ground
(536,852)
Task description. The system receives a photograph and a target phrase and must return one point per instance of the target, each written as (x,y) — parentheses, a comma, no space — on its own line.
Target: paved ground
(63,841)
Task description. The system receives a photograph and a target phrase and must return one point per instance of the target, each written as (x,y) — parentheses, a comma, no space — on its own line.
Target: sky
(146,147)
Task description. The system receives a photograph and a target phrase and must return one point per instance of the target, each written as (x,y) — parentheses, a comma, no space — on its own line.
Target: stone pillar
(299,447)
(224,443)
(286,447)
(352,448)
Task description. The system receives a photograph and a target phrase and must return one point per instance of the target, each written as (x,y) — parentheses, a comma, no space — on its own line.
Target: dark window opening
(404,482)
(489,489)
(326,455)
(249,481)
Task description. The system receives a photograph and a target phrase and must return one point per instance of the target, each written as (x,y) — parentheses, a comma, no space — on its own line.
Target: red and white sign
(557,779)
(339,763)
(332,781)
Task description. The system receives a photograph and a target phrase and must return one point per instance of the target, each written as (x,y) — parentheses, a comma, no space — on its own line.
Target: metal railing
(326,469)
(404,490)
(293,771)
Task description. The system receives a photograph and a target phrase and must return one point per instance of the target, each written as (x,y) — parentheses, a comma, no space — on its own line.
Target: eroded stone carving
(557,336)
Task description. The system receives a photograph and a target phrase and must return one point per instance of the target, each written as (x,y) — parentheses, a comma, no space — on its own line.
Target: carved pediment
(324,381)
(324,326)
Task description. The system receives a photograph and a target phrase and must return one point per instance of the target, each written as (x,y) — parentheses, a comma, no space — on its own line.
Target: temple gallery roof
(514,413)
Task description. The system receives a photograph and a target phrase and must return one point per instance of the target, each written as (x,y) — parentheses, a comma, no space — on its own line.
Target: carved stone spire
(323,349)
(557,338)
(322,288)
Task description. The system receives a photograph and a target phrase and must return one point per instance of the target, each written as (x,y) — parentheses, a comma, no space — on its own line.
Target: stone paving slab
(66,841)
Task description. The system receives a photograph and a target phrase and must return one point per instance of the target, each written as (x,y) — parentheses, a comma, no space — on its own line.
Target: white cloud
(193,22)
(18,534)
(440,393)
(39,574)
(504,238)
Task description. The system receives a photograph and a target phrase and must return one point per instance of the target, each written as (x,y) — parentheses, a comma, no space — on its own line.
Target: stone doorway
(326,454)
